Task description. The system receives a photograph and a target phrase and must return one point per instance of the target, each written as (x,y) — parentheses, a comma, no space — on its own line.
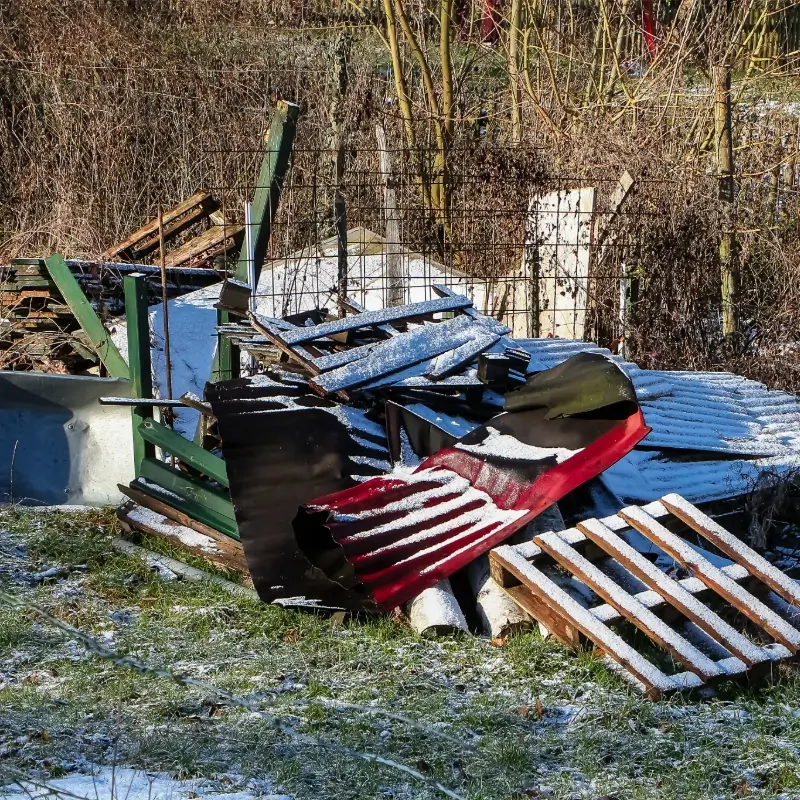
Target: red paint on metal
(402,561)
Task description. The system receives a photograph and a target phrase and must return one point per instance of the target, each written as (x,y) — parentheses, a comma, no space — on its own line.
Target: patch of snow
(124,783)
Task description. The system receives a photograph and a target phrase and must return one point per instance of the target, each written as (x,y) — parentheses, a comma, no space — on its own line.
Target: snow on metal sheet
(717,413)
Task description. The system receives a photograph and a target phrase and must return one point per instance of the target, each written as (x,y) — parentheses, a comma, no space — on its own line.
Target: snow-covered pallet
(748,618)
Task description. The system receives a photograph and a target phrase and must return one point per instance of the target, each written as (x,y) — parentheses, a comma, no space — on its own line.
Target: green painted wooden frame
(266,197)
(86,316)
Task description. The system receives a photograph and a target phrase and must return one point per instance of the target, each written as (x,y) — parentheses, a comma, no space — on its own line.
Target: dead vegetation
(122,106)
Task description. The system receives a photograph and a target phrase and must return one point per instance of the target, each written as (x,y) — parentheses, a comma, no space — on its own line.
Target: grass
(526,720)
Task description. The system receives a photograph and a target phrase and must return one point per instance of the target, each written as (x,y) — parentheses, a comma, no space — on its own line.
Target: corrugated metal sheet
(737,430)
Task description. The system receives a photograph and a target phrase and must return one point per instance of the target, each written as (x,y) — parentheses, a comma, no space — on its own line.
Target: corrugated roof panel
(701,412)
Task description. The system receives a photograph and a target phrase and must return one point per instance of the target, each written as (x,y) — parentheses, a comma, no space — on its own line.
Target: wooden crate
(671,612)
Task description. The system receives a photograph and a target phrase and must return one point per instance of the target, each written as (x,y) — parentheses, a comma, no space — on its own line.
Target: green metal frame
(185,492)
(87,318)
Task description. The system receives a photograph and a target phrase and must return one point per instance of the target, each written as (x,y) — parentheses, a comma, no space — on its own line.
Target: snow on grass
(524,720)
(124,783)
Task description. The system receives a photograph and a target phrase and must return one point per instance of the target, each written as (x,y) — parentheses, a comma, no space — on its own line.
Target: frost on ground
(122,783)
(525,720)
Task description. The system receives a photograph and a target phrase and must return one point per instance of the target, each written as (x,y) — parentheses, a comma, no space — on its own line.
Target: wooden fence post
(723,137)
(139,369)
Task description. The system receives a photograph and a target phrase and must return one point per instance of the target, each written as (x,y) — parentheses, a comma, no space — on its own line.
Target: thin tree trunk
(515,24)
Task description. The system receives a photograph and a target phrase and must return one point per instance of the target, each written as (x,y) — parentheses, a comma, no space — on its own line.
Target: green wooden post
(227,358)
(87,318)
(270,184)
(141,377)
(265,204)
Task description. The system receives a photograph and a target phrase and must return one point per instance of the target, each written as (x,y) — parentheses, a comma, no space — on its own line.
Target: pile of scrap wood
(194,234)
(39,327)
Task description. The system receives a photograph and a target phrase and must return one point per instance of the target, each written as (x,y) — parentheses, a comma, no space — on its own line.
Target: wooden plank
(380,316)
(644,619)
(87,318)
(230,547)
(394,252)
(396,355)
(145,520)
(734,548)
(490,323)
(24,294)
(212,238)
(453,360)
(559,603)
(196,510)
(151,227)
(701,567)
(188,452)
(673,592)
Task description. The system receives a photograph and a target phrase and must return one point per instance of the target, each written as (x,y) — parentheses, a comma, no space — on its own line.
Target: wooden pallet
(668,611)
(218,239)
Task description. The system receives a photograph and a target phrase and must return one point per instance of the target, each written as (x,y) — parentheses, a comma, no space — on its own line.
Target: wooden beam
(141,377)
(269,184)
(198,198)
(86,316)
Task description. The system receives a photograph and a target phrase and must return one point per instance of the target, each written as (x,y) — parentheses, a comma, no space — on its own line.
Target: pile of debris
(418,457)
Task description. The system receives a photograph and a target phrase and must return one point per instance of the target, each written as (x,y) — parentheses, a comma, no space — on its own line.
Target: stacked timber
(38,329)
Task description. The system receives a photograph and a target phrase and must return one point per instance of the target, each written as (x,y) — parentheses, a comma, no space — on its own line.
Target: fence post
(141,378)
(723,136)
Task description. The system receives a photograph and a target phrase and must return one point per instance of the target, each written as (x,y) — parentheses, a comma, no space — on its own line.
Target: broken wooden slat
(169,217)
(357,308)
(629,607)
(453,360)
(713,577)
(673,592)
(397,354)
(414,311)
(490,323)
(297,354)
(213,241)
(734,548)
(151,243)
(561,605)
